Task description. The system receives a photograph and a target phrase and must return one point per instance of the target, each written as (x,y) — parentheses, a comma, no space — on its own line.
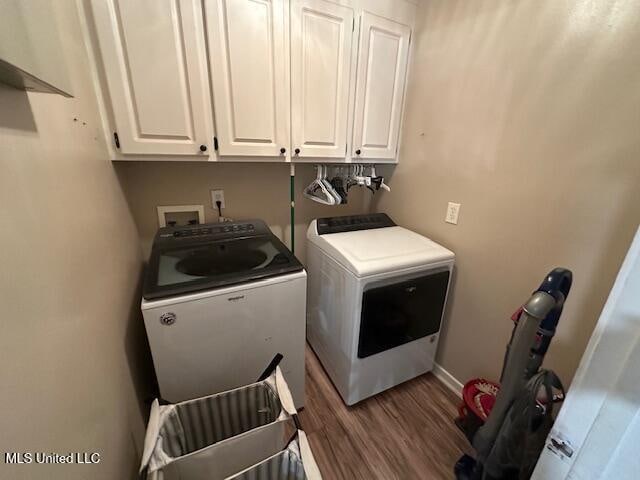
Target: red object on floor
(478,396)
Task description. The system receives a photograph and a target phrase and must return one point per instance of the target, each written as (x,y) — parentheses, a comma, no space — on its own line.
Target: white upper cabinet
(381,72)
(274,80)
(248,71)
(321,48)
(155,67)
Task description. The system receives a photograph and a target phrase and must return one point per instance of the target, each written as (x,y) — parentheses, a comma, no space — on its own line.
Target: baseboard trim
(451,382)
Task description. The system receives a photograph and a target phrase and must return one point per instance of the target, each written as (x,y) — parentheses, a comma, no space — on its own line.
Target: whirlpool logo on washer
(168,318)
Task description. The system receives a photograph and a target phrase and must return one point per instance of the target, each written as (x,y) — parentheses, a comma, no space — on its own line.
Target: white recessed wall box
(180,215)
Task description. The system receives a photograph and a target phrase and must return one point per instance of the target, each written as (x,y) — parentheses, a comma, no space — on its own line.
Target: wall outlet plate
(453,210)
(217,195)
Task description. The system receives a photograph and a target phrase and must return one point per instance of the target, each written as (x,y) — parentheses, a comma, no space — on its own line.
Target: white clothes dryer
(375,301)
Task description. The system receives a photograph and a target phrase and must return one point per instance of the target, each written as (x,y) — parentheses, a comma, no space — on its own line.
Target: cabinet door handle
(297,151)
(358,152)
(203,148)
(283,150)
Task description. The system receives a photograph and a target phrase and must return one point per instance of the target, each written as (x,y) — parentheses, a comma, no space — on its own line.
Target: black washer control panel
(212,230)
(352,223)
(207,232)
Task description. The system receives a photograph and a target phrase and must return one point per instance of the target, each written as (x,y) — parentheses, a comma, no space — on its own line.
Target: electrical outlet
(217,196)
(453,210)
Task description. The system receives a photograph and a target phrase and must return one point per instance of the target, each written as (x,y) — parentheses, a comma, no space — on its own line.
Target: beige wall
(72,342)
(527,113)
(252,190)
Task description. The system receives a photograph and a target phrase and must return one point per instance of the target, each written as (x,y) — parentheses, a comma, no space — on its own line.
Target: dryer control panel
(351,223)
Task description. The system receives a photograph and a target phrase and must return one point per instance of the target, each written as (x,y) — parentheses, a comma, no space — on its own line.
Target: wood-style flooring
(406,432)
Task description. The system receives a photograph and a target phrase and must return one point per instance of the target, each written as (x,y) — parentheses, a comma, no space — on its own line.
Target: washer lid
(192,258)
(367,252)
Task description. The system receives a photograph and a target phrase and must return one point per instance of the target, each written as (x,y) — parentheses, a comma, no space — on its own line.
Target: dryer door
(402,312)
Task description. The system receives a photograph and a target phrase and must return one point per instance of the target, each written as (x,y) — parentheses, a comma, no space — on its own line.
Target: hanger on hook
(317,190)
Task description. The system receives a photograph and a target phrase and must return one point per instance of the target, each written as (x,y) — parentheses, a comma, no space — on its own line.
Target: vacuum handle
(558,281)
(513,374)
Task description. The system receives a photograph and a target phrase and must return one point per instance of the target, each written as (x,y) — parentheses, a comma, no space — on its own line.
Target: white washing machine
(220,300)
(376,299)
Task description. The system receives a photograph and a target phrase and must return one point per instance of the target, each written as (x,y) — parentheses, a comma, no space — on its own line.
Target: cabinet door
(382,68)
(155,66)
(321,45)
(249,75)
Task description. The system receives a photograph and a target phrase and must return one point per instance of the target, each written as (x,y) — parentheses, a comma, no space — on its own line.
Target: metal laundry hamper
(217,436)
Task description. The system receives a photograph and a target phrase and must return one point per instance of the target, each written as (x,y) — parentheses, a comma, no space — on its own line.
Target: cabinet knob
(283,150)
(358,152)
(203,148)
(297,151)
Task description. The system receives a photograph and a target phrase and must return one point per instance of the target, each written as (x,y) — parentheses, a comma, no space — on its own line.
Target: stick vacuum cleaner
(510,436)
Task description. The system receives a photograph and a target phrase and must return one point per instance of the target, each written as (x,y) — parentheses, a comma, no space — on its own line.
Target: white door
(597,430)
(382,68)
(248,64)
(155,65)
(321,46)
